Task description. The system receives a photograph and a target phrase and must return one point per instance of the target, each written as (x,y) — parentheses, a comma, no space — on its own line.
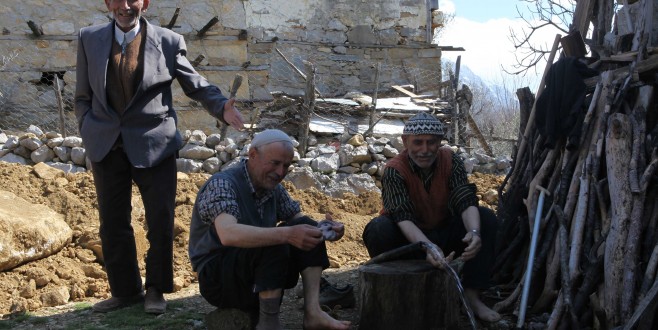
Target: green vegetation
(82,318)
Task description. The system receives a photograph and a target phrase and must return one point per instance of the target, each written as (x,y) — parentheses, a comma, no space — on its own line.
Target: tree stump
(407,294)
(230,319)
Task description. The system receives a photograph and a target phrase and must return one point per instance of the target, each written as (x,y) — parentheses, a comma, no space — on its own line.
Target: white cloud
(488,46)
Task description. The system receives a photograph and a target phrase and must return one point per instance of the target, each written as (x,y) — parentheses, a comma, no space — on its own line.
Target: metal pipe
(531,257)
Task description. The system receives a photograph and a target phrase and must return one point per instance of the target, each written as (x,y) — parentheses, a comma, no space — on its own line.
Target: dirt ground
(77,266)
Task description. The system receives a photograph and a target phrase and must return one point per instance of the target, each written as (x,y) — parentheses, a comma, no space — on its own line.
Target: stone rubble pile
(334,167)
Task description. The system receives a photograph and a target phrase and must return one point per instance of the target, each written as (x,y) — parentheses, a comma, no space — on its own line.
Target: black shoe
(332,296)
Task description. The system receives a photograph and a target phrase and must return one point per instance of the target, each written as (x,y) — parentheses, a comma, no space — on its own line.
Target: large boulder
(30,231)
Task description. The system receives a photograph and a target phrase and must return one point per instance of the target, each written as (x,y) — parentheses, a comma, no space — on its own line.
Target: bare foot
(323,321)
(481,311)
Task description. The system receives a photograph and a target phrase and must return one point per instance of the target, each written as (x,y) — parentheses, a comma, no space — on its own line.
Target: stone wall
(342,37)
(334,167)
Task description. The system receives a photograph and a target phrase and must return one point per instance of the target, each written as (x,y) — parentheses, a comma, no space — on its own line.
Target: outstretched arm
(414,234)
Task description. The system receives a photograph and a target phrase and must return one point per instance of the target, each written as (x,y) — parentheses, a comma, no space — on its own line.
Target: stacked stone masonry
(341,37)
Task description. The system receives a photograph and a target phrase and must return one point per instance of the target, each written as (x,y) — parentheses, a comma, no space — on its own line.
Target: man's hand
(304,237)
(474,244)
(232,116)
(436,258)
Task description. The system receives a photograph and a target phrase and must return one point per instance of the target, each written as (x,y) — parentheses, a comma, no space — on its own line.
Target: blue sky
(482,28)
(484,10)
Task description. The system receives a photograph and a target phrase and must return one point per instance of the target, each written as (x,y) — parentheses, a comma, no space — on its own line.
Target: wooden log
(650,272)
(556,315)
(647,305)
(598,310)
(407,294)
(564,269)
(591,279)
(547,168)
(514,248)
(581,16)
(526,100)
(509,301)
(573,44)
(638,162)
(642,66)
(649,241)
(649,171)
(550,292)
(396,253)
(578,225)
(618,147)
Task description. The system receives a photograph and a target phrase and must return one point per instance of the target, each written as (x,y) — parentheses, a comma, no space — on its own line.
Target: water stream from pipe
(449,268)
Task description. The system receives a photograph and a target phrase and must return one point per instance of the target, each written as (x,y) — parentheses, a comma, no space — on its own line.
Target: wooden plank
(404,91)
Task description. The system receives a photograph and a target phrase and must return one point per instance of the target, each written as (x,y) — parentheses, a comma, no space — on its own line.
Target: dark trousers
(234,276)
(381,234)
(113,177)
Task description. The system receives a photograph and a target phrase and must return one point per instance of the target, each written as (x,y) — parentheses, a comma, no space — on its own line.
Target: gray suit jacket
(148,125)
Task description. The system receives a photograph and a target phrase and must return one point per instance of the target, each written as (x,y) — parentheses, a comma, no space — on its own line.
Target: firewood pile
(578,237)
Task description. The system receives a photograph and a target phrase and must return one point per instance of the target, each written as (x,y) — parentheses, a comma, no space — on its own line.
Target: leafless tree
(495,110)
(543,14)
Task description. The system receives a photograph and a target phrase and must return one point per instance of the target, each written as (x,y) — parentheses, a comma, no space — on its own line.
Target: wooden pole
(464,99)
(237,81)
(173,19)
(60,105)
(373,105)
(207,27)
(307,109)
(618,153)
(299,72)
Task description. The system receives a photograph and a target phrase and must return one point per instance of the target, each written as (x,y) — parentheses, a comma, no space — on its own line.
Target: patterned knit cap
(423,123)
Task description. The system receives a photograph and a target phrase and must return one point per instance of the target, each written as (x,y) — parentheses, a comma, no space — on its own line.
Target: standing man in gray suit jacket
(123,104)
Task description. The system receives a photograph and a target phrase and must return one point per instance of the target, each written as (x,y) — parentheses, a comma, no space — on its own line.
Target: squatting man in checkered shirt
(249,240)
(427,197)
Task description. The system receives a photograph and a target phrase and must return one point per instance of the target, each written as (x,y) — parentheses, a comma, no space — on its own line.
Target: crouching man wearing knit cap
(249,240)
(427,197)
